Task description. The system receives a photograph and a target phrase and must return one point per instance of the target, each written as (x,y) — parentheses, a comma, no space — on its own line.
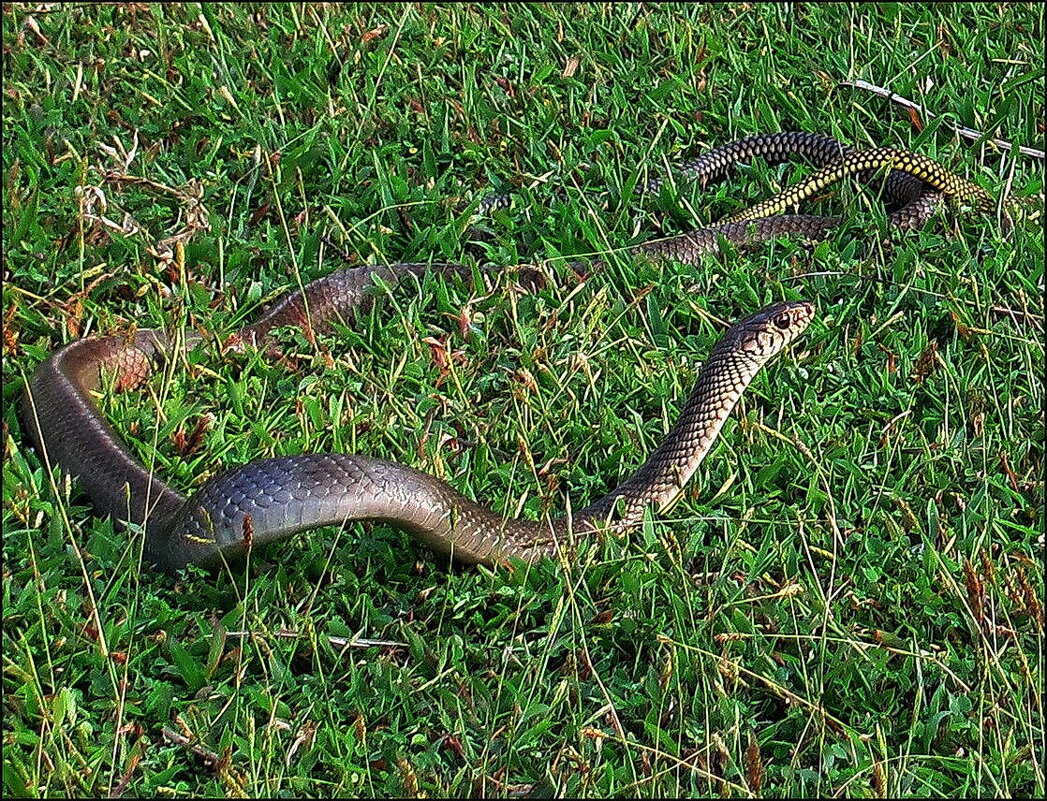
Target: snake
(270,499)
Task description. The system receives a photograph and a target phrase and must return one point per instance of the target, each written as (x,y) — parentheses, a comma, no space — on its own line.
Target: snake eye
(783,321)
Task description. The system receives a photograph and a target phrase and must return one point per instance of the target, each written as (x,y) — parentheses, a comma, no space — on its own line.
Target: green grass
(849,598)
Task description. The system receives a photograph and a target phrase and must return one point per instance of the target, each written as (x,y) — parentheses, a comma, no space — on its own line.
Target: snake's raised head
(762,335)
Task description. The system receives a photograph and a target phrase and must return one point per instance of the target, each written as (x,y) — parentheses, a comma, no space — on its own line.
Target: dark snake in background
(270,499)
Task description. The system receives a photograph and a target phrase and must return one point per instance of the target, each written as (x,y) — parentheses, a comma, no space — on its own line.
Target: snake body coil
(270,499)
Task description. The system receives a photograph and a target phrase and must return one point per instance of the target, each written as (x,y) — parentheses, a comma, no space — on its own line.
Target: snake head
(762,335)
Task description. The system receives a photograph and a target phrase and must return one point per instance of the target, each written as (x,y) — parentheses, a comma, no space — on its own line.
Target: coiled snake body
(270,499)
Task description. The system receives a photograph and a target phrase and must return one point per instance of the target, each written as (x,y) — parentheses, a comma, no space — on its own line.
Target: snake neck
(659,480)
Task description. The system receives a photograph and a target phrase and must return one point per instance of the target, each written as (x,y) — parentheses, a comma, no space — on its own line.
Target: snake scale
(270,499)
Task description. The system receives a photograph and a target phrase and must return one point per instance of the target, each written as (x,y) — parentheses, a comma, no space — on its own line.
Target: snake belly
(270,499)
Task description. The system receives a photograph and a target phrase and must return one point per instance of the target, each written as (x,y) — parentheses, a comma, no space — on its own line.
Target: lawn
(848,600)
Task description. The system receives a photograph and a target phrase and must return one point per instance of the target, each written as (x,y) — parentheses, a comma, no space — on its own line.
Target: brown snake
(270,499)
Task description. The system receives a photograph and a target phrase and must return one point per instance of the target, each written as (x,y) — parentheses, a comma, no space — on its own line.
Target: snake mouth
(799,315)
(787,318)
(802,312)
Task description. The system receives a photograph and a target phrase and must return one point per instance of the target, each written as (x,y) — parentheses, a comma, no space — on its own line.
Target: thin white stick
(962,130)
